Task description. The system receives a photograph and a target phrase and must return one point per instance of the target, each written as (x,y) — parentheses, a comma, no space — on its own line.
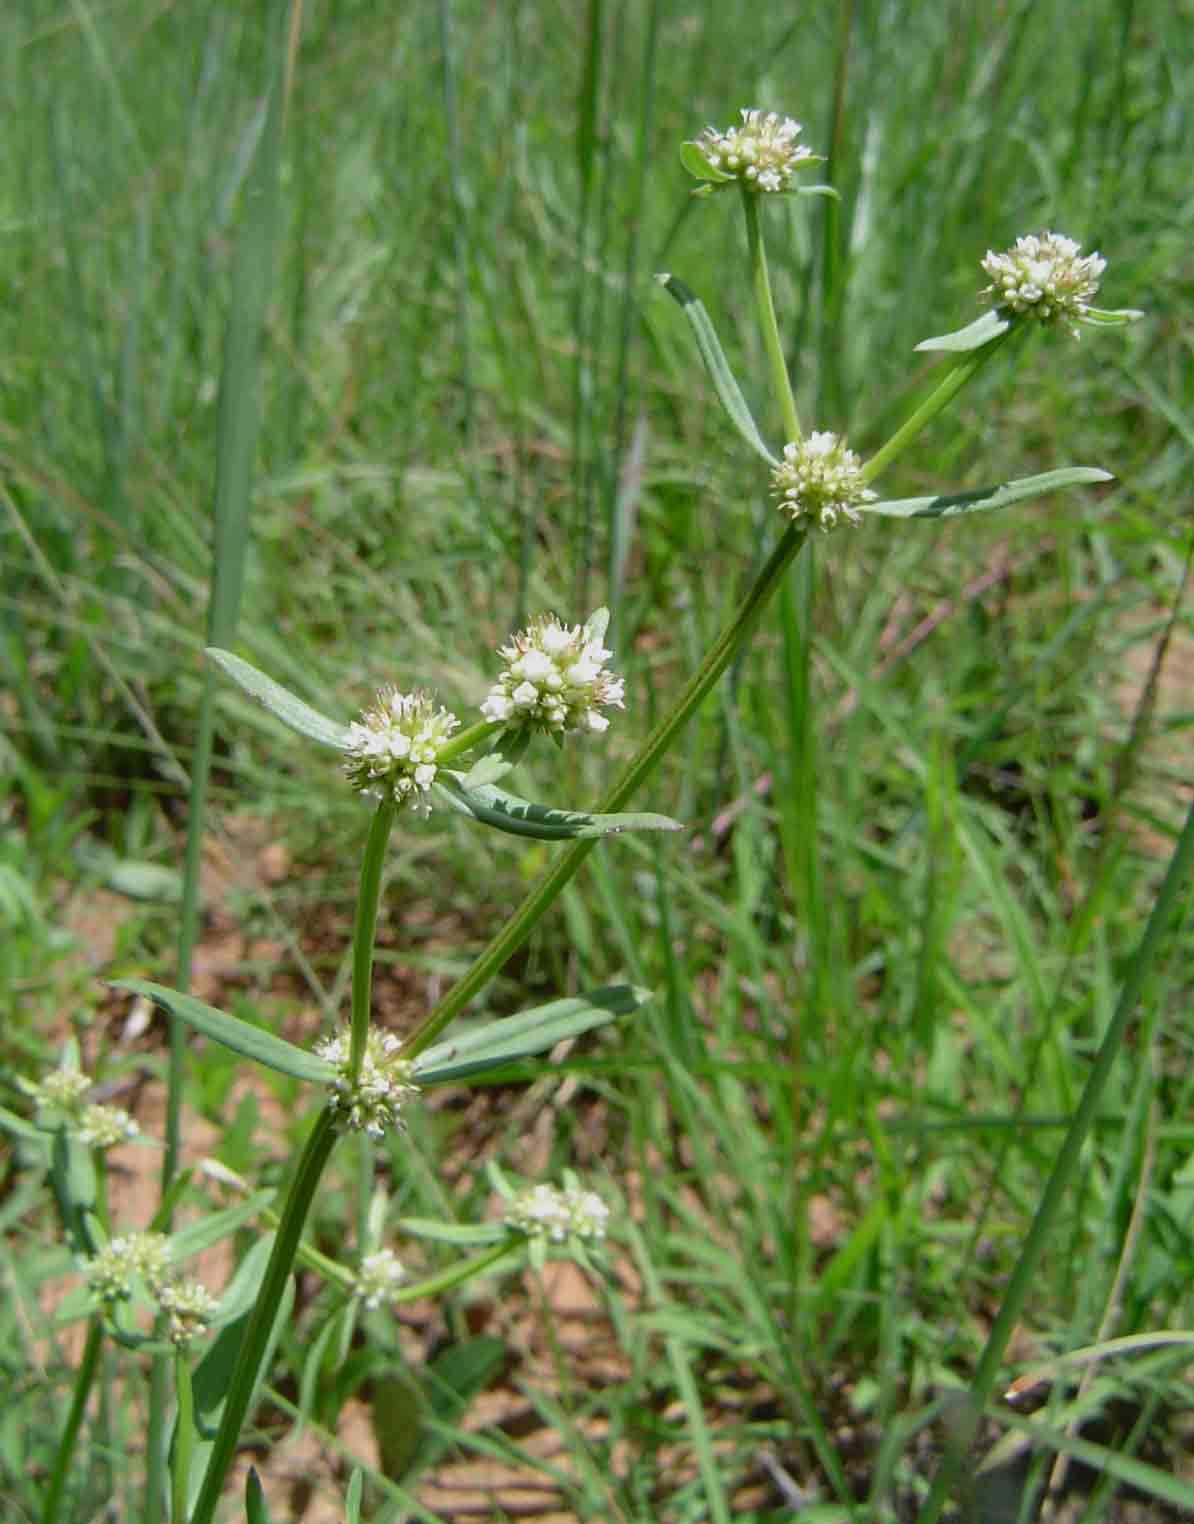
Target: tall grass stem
(84,1378)
(1065,1168)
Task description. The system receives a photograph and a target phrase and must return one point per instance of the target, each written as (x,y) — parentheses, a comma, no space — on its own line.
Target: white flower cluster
(1046,276)
(545,1211)
(58,1096)
(374,1103)
(762,152)
(378,1278)
(555,679)
(393,749)
(105,1126)
(112,1271)
(189,1307)
(821,479)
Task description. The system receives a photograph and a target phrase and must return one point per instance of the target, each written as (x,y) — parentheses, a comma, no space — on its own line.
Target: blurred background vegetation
(833,1123)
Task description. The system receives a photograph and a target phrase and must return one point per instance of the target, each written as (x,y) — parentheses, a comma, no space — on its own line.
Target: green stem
(463,1270)
(466,740)
(363,929)
(946,390)
(260,1326)
(84,1378)
(781,382)
(538,902)
(184,1440)
(1044,1224)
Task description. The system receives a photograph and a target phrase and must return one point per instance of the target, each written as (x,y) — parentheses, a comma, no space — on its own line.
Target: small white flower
(393,749)
(383,1086)
(544,1211)
(821,479)
(378,1278)
(762,153)
(1046,276)
(105,1126)
(555,678)
(189,1308)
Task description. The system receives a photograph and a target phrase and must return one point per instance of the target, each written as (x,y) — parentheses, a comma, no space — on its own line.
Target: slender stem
(472,736)
(463,1270)
(1064,1169)
(781,382)
(363,929)
(260,1326)
(184,1440)
(955,378)
(84,1377)
(547,890)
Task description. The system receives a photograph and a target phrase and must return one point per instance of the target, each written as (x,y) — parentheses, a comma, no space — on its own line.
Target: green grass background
(475,403)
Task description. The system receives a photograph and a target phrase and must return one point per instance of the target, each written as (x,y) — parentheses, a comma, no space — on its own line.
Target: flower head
(543,1211)
(374,1102)
(105,1126)
(112,1271)
(820,478)
(762,153)
(555,678)
(61,1089)
(189,1308)
(393,749)
(378,1278)
(1045,276)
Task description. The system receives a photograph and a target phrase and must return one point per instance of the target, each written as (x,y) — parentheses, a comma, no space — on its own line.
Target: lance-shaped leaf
(241,1036)
(1003,495)
(503,1042)
(209,1230)
(1110,317)
(716,364)
(280,702)
(973,336)
(492,806)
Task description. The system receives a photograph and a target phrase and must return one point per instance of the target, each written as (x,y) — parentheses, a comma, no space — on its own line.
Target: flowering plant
(409,753)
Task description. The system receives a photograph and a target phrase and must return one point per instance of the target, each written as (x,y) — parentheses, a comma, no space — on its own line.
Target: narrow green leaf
(209,1230)
(352,1498)
(1111,317)
(518,817)
(531,1032)
(241,1036)
(973,336)
(1126,1469)
(256,1509)
(241,1291)
(1003,495)
(718,367)
(464,1235)
(26,1131)
(280,702)
(73,1179)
